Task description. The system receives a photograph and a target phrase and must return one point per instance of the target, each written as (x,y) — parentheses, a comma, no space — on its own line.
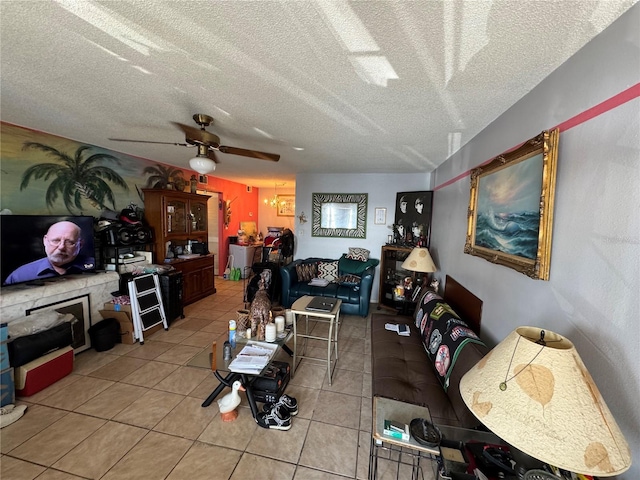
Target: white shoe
(11,413)
(7,409)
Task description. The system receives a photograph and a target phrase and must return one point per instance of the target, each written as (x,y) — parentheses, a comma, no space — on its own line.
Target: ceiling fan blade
(249,153)
(147,141)
(196,136)
(212,155)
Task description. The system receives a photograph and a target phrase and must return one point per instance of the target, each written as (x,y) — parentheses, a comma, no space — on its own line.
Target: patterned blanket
(444,334)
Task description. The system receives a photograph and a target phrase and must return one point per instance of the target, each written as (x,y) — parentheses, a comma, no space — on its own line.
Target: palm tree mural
(76,178)
(160,176)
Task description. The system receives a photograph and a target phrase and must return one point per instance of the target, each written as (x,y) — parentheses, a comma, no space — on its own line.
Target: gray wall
(593,295)
(381,190)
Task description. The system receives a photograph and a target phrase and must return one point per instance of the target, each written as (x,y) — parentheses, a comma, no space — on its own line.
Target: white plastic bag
(37,322)
(227,270)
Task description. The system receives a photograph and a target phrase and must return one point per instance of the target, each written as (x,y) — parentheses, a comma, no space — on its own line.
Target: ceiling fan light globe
(202,165)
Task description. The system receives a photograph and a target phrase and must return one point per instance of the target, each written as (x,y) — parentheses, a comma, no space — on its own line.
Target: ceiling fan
(207,144)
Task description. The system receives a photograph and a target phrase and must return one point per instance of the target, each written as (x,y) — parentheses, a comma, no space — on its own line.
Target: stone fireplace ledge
(15,300)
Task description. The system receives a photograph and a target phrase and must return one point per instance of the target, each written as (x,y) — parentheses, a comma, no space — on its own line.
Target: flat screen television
(31,252)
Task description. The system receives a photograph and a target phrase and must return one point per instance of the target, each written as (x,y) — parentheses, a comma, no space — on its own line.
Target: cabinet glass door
(176,217)
(198,217)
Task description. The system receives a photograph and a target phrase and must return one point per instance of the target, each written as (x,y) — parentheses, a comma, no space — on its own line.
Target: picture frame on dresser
(511,202)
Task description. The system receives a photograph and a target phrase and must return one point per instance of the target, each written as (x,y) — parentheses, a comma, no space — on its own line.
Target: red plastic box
(38,374)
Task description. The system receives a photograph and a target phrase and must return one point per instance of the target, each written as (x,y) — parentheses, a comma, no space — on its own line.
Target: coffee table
(222,365)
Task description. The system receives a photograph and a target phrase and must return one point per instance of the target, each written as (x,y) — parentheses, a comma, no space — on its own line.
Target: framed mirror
(339,215)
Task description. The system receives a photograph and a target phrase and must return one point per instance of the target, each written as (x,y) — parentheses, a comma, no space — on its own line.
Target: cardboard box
(122,313)
(117,307)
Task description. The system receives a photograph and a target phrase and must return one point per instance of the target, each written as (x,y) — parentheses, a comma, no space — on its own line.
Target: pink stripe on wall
(603,107)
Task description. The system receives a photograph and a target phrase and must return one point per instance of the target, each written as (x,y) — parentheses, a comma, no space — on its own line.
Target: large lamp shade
(419,260)
(538,396)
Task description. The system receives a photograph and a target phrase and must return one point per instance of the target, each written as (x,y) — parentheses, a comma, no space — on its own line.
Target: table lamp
(533,391)
(419,260)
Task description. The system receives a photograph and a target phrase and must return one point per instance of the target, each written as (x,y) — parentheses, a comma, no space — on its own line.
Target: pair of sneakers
(278,415)
(10,413)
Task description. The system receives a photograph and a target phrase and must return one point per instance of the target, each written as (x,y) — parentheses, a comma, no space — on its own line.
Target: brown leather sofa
(402,370)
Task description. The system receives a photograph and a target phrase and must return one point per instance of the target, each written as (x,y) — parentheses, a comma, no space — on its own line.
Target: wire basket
(243,319)
(277,311)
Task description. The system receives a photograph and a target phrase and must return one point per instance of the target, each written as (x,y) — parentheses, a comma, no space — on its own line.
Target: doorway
(213,214)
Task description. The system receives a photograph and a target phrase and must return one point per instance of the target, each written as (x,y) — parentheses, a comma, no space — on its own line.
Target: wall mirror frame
(339,215)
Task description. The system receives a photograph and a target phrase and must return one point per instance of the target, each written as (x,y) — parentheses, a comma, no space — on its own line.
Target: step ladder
(146,305)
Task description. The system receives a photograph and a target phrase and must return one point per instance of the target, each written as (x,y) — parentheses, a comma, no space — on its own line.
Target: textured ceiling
(361,86)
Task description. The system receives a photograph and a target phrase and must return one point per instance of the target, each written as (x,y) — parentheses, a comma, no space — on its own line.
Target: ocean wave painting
(508,209)
(512,233)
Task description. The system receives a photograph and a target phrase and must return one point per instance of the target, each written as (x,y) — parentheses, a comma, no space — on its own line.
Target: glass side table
(407,452)
(414,455)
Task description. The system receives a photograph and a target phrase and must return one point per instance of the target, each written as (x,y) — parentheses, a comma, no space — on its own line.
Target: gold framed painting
(510,216)
(286,205)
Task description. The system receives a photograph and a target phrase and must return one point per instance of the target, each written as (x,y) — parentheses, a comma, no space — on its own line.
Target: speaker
(120,235)
(142,234)
(126,236)
(110,236)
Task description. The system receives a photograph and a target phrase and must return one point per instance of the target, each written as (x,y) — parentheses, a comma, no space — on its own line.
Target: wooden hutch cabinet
(178,217)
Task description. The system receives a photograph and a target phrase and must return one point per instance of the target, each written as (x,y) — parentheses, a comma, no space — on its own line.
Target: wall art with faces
(412,224)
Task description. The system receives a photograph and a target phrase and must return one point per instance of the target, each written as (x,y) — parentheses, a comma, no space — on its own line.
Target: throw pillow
(356,253)
(349,280)
(348,266)
(328,270)
(307,271)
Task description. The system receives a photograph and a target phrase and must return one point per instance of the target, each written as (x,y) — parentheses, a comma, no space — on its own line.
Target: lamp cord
(503,385)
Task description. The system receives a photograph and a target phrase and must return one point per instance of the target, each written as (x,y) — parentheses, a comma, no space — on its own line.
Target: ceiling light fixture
(201,163)
(275,200)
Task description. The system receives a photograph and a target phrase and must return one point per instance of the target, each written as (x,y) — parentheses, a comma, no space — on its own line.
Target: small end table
(299,307)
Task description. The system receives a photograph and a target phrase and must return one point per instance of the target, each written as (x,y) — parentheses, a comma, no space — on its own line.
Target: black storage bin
(105,334)
(171,289)
(29,347)
(268,387)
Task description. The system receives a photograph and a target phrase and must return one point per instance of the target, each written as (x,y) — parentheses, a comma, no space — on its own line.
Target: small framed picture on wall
(286,205)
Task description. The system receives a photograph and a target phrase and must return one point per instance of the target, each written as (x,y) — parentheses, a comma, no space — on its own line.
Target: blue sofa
(355,297)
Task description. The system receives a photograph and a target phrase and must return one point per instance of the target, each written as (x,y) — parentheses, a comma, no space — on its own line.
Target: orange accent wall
(244,208)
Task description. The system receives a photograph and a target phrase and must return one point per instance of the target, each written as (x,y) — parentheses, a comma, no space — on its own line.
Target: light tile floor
(134,412)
